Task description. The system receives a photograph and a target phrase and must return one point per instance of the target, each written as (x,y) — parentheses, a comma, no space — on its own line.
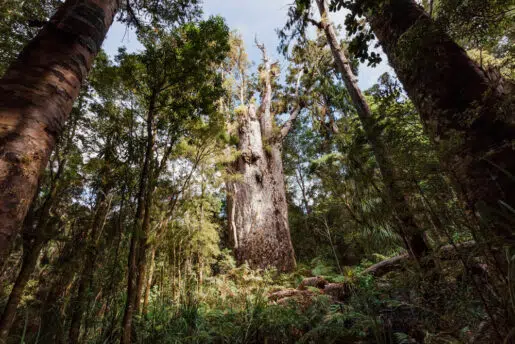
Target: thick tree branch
(316,23)
(285,129)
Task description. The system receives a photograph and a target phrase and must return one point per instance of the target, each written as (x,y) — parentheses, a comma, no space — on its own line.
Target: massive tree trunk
(36,235)
(37,93)
(257,207)
(258,212)
(468,116)
(410,232)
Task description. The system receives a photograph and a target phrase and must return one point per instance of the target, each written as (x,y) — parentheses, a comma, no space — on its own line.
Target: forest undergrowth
(241,305)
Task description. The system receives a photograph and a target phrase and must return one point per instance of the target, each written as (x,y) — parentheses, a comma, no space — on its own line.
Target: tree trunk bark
(131,289)
(114,279)
(257,208)
(148,285)
(37,93)
(257,205)
(412,235)
(143,247)
(467,116)
(35,238)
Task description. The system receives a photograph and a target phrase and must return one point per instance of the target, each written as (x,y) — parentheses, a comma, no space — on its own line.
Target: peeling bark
(37,93)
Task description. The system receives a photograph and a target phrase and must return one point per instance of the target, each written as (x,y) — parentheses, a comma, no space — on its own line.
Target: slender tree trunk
(174,273)
(143,244)
(54,297)
(302,185)
(9,314)
(86,276)
(37,93)
(150,277)
(408,229)
(131,290)
(468,116)
(106,331)
(135,247)
(178,289)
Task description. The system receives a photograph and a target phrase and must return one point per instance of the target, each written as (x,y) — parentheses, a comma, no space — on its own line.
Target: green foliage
(192,77)
(242,314)
(20,22)
(485,24)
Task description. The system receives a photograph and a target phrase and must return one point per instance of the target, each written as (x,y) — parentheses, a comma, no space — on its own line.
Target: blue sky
(251,18)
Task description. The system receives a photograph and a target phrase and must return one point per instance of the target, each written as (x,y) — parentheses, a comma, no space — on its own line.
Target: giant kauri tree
(257,205)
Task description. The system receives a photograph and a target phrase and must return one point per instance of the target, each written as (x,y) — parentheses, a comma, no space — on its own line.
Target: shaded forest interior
(183,193)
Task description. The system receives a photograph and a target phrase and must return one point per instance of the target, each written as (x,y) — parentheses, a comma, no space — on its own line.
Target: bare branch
(261,46)
(264,111)
(316,23)
(133,16)
(285,129)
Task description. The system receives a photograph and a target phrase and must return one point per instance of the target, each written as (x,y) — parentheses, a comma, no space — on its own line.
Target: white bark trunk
(258,211)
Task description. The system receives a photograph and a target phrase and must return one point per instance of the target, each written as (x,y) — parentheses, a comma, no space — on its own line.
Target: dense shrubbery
(234,307)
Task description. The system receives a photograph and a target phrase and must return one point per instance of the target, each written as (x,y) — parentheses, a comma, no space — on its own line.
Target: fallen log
(387,265)
(289,293)
(338,291)
(447,252)
(316,282)
(341,291)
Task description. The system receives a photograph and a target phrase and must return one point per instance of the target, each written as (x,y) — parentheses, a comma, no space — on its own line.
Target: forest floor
(315,304)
